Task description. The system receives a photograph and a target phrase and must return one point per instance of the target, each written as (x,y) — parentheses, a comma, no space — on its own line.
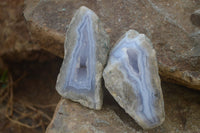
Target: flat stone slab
(86,51)
(181,107)
(71,117)
(131,77)
(166,23)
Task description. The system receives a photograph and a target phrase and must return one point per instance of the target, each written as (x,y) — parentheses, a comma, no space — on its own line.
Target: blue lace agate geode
(131,76)
(86,50)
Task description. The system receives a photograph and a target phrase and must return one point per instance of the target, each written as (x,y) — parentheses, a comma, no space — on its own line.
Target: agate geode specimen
(86,49)
(131,76)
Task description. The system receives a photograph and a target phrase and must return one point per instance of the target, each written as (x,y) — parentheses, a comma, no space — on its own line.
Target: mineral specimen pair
(131,74)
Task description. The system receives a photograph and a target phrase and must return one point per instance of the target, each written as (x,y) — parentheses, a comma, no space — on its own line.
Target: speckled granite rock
(166,23)
(131,76)
(86,50)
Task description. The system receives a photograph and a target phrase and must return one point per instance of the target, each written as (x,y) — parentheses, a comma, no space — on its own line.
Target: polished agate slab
(131,76)
(86,49)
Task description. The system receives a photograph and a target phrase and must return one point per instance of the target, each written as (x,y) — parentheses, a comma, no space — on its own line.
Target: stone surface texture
(131,76)
(166,23)
(195,18)
(86,51)
(182,115)
(15,40)
(71,117)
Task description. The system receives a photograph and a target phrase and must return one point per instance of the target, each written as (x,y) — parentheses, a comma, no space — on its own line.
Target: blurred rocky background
(32,34)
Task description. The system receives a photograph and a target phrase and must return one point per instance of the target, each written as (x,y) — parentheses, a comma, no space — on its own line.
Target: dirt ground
(35,88)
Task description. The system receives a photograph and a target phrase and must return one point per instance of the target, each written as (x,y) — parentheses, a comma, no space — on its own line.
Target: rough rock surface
(131,76)
(195,18)
(15,40)
(181,107)
(71,117)
(166,23)
(86,51)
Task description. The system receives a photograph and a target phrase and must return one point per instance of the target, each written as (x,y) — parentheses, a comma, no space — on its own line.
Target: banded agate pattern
(80,77)
(131,76)
(82,63)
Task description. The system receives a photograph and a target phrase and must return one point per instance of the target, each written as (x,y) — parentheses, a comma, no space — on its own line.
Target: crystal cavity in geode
(131,76)
(86,49)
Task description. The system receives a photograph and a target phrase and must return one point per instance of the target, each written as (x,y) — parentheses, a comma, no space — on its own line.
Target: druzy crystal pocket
(86,49)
